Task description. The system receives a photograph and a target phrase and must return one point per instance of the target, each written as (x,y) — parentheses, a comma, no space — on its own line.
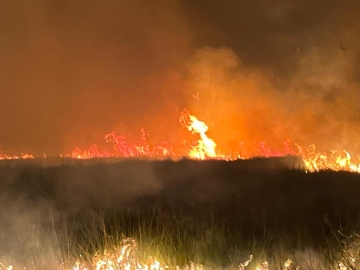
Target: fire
(203,147)
(125,258)
(2,267)
(316,161)
(120,148)
(22,156)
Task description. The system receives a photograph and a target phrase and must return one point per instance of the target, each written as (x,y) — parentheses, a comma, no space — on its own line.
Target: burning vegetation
(202,147)
(276,79)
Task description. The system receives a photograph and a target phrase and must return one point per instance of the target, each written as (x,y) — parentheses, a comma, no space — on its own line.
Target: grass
(174,240)
(214,214)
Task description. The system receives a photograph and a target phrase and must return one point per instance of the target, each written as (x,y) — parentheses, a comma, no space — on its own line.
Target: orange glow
(125,257)
(22,156)
(202,147)
(316,161)
(120,148)
(205,147)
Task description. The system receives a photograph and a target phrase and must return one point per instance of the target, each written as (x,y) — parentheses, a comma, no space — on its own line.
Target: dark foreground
(267,201)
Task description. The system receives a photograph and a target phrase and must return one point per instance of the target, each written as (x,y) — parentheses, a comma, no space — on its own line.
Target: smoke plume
(72,71)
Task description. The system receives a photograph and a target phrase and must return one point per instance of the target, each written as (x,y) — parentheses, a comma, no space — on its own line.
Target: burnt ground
(248,196)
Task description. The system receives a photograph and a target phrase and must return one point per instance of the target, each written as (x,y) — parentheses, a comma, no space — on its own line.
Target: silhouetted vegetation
(212,212)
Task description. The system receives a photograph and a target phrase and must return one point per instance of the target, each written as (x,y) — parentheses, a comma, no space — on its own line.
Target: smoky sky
(70,71)
(269,33)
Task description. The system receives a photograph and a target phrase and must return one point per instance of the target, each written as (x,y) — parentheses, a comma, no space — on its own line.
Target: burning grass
(205,214)
(202,147)
(157,240)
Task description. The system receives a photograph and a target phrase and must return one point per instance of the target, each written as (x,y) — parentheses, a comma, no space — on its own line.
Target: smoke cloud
(72,71)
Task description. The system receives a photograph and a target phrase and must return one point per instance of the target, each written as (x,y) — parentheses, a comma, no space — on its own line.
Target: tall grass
(173,239)
(214,214)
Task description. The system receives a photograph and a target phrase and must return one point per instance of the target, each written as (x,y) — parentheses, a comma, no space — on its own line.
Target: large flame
(205,147)
(202,147)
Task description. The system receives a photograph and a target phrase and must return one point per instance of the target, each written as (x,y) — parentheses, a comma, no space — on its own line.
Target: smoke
(243,106)
(276,71)
(74,70)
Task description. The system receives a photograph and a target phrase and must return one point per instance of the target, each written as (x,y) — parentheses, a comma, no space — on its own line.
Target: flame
(22,156)
(125,258)
(317,161)
(120,148)
(2,267)
(203,147)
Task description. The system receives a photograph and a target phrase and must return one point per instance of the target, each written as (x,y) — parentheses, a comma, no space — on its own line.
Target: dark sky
(268,33)
(73,70)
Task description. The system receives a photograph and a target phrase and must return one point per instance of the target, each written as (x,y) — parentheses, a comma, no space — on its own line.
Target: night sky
(73,70)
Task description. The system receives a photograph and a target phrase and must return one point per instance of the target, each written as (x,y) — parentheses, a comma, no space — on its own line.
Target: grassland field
(214,213)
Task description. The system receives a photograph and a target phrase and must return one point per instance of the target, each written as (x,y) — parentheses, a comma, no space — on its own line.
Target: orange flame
(124,258)
(22,156)
(316,161)
(120,148)
(204,147)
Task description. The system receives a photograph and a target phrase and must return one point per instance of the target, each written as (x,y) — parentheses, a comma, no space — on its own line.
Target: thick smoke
(277,70)
(74,70)
(253,70)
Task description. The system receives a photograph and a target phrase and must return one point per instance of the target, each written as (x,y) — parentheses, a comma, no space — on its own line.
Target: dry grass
(214,214)
(172,240)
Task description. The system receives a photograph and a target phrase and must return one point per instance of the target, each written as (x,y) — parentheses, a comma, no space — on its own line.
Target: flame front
(120,148)
(22,156)
(203,147)
(125,259)
(317,161)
